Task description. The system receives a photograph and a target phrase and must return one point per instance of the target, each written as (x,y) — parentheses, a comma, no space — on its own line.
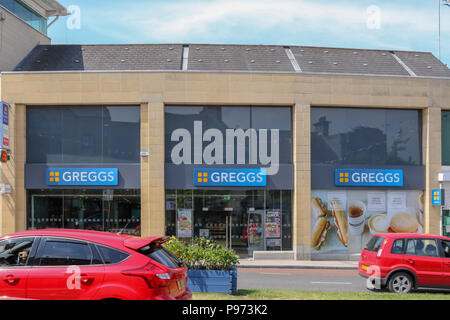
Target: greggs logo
(369,177)
(82,176)
(230,177)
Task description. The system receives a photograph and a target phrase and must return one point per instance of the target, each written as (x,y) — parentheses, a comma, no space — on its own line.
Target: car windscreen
(374,244)
(162,256)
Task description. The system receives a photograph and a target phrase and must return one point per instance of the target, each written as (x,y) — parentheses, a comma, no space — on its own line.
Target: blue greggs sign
(230,177)
(368,178)
(82,177)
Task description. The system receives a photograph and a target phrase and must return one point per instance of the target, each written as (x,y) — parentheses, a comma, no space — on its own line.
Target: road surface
(331,280)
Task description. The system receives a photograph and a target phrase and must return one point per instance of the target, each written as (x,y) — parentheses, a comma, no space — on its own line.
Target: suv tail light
(155,276)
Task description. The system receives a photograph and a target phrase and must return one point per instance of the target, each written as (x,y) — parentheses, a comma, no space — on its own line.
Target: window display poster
(376,201)
(255,228)
(184,223)
(204,233)
(345,231)
(396,200)
(273,224)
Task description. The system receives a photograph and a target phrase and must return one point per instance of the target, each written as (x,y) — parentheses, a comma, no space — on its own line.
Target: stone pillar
(152,170)
(13,206)
(302,175)
(432,157)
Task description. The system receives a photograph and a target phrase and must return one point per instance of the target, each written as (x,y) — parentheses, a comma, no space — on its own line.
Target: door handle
(85,279)
(11,279)
(410,261)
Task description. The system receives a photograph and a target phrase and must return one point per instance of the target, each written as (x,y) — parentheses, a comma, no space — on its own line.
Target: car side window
(65,253)
(422,247)
(14,253)
(112,256)
(446,248)
(397,246)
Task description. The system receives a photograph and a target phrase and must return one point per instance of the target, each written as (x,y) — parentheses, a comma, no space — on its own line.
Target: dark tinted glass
(166,258)
(374,244)
(275,118)
(121,132)
(65,253)
(222,118)
(397,246)
(366,136)
(83,134)
(445,138)
(422,247)
(112,256)
(15,252)
(44,135)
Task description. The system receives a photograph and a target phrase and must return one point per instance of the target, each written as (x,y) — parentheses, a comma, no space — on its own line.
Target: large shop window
(83,134)
(101,210)
(196,120)
(244,220)
(366,136)
(446,138)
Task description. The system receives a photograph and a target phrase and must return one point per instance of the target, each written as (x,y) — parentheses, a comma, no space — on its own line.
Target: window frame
(33,249)
(40,250)
(437,245)
(344,161)
(97,245)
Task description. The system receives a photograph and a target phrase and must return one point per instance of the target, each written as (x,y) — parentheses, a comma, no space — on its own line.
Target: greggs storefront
(276,152)
(229,175)
(367,177)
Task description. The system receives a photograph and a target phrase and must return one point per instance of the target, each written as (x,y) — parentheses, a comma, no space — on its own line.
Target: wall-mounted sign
(368,178)
(5,189)
(4,121)
(437,197)
(230,177)
(82,176)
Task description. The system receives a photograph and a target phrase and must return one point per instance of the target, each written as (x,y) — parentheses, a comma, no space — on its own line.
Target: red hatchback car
(89,265)
(404,262)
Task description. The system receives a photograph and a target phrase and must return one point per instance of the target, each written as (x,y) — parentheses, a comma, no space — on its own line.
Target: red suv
(86,265)
(404,262)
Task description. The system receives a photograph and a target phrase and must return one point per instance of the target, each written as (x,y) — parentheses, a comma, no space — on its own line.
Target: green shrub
(203,254)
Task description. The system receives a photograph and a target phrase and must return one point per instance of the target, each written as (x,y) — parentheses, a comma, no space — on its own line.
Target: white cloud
(168,20)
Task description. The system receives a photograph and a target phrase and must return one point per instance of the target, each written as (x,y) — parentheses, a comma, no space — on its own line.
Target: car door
(14,266)
(445,253)
(422,255)
(65,269)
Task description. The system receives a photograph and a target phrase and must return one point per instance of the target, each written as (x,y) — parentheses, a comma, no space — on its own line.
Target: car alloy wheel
(400,283)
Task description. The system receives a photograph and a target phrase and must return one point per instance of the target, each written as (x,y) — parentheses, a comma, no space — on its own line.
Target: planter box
(222,281)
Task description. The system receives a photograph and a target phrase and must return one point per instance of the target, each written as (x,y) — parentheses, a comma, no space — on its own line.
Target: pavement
(298,264)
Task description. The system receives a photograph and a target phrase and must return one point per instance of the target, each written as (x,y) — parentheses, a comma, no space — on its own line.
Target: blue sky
(372,24)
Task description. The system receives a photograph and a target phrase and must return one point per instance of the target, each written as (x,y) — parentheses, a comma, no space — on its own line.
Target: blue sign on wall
(82,177)
(436,197)
(368,178)
(4,126)
(230,177)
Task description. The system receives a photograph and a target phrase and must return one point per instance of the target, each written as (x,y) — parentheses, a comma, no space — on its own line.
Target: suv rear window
(162,256)
(374,244)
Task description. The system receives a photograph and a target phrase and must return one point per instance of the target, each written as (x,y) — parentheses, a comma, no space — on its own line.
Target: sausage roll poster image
(342,222)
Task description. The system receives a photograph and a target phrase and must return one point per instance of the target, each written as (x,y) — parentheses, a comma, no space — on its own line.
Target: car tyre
(401,282)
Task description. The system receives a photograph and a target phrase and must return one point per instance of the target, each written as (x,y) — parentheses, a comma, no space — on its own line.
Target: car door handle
(86,279)
(410,261)
(447,264)
(11,279)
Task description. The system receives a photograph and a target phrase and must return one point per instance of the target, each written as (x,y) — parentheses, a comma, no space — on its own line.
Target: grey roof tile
(246,58)
(238,58)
